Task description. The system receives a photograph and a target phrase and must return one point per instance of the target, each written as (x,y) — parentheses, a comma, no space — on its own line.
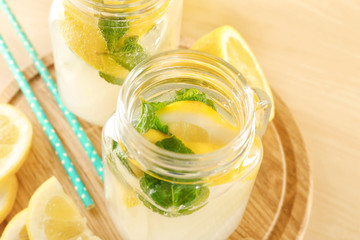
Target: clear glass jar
(97,42)
(223,178)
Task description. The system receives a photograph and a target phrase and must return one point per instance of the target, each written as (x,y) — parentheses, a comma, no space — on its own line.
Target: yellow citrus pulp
(84,37)
(16,228)
(204,130)
(8,190)
(82,34)
(15,139)
(52,215)
(225,42)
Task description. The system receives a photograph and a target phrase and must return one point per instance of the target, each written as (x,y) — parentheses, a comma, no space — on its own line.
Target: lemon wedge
(15,139)
(225,42)
(8,190)
(212,127)
(84,37)
(16,228)
(154,136)
(52,215)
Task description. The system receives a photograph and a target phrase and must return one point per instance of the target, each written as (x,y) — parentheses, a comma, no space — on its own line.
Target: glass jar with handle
(183,149)
(97,42)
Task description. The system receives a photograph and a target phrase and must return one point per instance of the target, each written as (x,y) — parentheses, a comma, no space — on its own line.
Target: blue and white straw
(44,73)
(46,125)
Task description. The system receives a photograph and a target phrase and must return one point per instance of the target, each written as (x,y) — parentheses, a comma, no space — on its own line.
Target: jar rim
(235,149)
(134,9)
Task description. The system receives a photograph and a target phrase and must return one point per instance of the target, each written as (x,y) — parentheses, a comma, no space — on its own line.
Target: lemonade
(182,151)
(97,43)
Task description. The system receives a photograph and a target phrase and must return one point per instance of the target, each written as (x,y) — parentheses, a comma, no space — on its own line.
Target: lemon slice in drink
(15,139)
(212,127)
(84,37)
(198,147)
(225,42)
(8,190)
(52,215)
(16,228)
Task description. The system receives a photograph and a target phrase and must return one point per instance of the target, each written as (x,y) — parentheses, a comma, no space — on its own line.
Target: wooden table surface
(310,53)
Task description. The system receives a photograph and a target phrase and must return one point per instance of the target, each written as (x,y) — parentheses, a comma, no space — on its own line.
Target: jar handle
(263,107)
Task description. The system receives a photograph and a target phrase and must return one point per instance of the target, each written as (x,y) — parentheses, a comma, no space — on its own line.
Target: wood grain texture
(310,53)
(279,205)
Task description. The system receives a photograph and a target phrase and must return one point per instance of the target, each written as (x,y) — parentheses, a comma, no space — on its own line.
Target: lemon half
(16,228)
(15,139)
(8,190)
(225,42)
(52,215)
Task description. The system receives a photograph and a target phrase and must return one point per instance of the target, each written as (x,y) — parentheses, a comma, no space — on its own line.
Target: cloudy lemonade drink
(97,42)
(183,149)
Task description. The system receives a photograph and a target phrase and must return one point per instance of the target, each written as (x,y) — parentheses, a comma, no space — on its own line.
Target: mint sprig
(174,199)
(168,198)
(193,94)
(130,53)
(125,50)
(149,119)
(111,79)
(174,144)
(113,29)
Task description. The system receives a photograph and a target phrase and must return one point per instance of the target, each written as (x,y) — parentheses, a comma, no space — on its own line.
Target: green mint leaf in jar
(111,79)
(129,53)
(174,144)
(113,30)
(193,94)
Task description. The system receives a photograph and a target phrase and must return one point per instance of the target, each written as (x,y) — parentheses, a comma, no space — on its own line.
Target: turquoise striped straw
(46,125)
(44,73)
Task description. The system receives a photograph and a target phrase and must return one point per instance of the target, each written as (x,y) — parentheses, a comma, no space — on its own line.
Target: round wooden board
(279,205)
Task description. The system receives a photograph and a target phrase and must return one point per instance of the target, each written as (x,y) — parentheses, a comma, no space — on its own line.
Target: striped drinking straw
(46,125)
(44,73)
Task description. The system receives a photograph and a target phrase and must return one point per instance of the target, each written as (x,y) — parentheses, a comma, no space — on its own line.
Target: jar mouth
(185,166)
(132,10)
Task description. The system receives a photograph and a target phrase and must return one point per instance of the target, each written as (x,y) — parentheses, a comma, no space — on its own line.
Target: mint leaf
(178,199)
(148,118)
(130,53)
(126,51)
(113,29)
(121,156)
(192,94)
(174,144)
(111,79)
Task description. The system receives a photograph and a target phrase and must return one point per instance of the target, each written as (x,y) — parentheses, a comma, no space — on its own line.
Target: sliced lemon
(52,215)
(15,139)
(219,131)
(8,190)
(225,42)
(188,132)
(16,228)
(84,37)
(154,136)
(197,147)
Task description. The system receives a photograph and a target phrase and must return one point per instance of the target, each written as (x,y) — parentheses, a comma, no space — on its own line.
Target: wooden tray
(279,205)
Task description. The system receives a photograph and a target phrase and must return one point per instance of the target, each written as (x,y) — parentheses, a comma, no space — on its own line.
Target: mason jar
(205,194)
(97,42)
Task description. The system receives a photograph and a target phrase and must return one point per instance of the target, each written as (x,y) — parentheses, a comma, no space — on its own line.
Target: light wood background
(310,53)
